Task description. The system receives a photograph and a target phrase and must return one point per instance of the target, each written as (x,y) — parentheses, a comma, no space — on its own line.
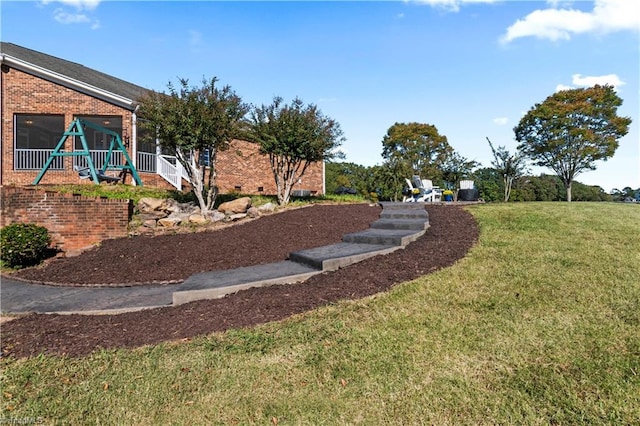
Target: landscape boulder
(198,219)
(169,222)
(253,212)
(151,205)
(240,205)
(267,208)
(216,216)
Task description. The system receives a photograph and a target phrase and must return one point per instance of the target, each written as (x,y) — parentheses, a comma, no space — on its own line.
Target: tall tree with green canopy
(510,166)
(193,120)
(456,168)
(571,130)
(416,148)
(293,136)
(487,180)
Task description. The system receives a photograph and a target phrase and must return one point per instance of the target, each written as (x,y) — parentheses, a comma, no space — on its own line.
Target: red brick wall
(243,166)
(240,166)
(23,93)
(74,222)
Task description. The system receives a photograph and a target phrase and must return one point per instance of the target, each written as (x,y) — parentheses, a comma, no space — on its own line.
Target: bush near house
(23,244)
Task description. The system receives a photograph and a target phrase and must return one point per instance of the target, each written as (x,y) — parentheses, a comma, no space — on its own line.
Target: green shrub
(23,244)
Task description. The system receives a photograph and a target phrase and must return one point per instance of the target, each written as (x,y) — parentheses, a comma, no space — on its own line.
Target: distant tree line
(378,182)
(567,133)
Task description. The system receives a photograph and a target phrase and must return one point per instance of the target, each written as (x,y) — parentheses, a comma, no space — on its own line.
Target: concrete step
(404,214)
(402,206)
(217,284)
(388,237)
(335,256)
(409,224)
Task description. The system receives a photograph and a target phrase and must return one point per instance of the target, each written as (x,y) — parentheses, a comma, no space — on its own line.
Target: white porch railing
(147,162)
(34,159)
(99,157)
(166,166)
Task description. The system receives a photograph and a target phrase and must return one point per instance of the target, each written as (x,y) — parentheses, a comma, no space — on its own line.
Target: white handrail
(170,172)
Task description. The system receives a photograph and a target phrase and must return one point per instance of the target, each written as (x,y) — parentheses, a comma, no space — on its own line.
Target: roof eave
(68,82)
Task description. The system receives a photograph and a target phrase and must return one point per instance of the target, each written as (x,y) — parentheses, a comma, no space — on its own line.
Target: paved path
(399,224)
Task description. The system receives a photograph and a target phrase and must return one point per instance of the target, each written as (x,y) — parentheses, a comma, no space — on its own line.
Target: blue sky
(470,68)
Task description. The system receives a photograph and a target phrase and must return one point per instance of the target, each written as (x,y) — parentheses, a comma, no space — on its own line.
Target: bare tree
(510,166)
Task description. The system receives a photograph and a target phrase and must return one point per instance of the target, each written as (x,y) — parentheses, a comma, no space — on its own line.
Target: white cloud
(78,16)
(500,121)
(78,4)
(560,23)
(70,18)
(580,80)
(588,81)
(560,87)
(451,5)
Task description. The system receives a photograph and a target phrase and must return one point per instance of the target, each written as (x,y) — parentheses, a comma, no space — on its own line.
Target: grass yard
(539,324)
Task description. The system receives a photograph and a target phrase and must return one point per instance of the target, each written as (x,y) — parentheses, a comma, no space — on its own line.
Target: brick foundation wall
(242,166)
(74,222)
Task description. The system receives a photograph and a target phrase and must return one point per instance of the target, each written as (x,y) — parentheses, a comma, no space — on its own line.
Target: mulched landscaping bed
(452,233)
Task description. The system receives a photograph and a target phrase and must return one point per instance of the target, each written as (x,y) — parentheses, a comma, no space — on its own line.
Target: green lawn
(539,324)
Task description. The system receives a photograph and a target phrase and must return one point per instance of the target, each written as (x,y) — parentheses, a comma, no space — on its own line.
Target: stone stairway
(399,224)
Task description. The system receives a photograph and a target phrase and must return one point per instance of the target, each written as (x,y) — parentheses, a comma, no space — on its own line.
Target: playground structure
(89,171)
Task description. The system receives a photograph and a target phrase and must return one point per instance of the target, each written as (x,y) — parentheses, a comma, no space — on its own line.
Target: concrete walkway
(399,224)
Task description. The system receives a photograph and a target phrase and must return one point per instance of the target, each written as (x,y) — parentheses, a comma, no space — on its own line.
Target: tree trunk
(508,181)
(196,177)
(567,186)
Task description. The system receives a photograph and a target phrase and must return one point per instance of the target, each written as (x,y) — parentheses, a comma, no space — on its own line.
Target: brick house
(41,95)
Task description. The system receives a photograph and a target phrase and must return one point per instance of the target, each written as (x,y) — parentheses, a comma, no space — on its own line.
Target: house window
(205,158)
(97,140)
(36,136)
(146,143)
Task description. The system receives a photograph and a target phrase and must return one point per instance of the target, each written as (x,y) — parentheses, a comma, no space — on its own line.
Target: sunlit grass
(539,324)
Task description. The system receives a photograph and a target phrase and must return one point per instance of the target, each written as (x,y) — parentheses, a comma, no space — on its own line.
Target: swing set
(90,172)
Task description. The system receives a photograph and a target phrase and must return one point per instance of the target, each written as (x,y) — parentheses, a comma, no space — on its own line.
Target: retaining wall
(74,222)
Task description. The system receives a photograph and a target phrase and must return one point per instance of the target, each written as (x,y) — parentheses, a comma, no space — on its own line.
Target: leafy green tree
(389,179)
(293,136)
(510,166)
(349,175)
(626,193)
(548,188)
(582,192)
(415,148)
(190,121)
(456,168)
(487,180)
(629,192)
(571,130)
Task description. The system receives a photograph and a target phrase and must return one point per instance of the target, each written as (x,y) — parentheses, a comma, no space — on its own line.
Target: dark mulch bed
(173,258)
(452,233)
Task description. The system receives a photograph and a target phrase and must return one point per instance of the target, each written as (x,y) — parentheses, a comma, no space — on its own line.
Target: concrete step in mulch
(407,224)
(217,284)
(399,224)
(335,256)
(387,237)
(404,214)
